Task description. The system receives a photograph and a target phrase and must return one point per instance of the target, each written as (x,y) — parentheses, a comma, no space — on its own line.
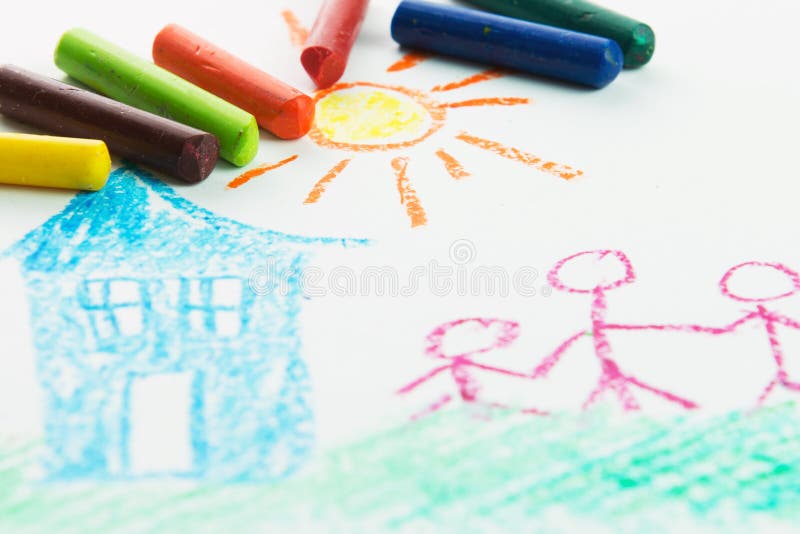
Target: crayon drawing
(141,306)
(501,335)
(595,273)
(612,378)
(451,472)
(788,284)
(357,117)
(642,375)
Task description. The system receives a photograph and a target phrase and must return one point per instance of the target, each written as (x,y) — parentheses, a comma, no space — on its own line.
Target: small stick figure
(461,366)
(612,377)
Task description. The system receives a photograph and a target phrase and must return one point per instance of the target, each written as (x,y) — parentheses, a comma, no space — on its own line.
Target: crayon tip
(294,119)
(198,158)
(611,65)
(641,47)
(323,65)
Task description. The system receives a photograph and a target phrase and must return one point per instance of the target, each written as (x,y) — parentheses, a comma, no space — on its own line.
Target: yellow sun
(363,116)
(385,115)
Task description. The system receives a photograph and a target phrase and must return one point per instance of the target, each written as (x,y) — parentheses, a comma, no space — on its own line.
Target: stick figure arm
(421,380)
(727,329)
(686,327)
(787,321)
(500,370)
(543,369)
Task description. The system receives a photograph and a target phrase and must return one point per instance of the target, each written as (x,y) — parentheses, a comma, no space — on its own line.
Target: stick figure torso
(769,318)
(611,376)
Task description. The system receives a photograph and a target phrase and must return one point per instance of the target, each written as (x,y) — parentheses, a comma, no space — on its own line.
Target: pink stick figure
(612,377)
(461,366)
(769,318)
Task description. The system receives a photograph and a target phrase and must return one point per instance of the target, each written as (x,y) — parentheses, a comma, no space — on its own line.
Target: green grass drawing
(457,472)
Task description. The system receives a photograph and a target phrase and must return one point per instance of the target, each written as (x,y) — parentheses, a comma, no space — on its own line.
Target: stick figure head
(469,337)
(756,281)
(591,271)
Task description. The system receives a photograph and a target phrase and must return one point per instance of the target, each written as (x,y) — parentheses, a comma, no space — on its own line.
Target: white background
(690,168)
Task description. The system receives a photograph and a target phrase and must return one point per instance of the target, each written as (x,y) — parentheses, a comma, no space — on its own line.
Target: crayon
(279,108)
(124,77)
(175,149)
(505,42)
(331,39)
(60,162)
(637,40)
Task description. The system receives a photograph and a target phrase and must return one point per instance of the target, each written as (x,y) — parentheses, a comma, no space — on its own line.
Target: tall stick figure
(461,366)
(612,377)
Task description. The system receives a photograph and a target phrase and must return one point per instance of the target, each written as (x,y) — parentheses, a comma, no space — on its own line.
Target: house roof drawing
(139,223)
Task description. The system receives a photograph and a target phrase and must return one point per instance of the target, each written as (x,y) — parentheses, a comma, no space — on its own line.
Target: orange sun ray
(408,61)
(484,76)
(452,165)
(476,102)
(297,32)
(563,171)
(321,186)
(258,171)
(408,196)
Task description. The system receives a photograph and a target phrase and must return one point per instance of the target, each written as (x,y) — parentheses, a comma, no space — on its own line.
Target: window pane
(229,323)
(94,292)
(124,292)
(129,320)
(194,293)
(103,324)
(226,292)
(197,321)
(170,292)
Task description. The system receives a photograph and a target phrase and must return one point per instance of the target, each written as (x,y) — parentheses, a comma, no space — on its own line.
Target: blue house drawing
(155,356)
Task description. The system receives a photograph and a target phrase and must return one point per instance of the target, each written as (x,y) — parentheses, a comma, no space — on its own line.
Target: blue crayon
(507,42)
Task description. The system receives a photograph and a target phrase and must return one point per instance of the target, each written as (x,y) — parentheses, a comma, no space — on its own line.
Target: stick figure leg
(433,408)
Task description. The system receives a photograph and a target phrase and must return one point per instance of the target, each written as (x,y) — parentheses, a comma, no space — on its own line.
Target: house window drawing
(116,308)
(215,306)
(154,355)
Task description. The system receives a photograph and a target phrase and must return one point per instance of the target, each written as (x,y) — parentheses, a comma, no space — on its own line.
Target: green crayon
(637,40)
(124,77)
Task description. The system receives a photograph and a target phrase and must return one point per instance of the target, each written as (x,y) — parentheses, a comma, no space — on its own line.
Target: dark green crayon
(637,40)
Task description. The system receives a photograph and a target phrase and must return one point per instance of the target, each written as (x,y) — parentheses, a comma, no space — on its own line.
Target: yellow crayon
(44,161)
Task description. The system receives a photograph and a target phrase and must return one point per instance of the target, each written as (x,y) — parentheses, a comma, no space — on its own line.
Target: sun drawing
(393,118)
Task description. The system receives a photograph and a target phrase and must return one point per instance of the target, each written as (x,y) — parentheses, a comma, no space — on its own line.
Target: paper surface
(469,301)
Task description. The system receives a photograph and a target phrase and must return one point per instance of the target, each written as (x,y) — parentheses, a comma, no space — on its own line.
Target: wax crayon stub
(324,66)
(294,118)
(246,149)
(198,158)
(506,42)
(331,39)
(278,107)
(134,81)
(641,47)
(175,149)
(637,40)
(59,162)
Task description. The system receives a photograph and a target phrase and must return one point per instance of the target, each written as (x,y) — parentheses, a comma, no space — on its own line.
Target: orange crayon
(278,107)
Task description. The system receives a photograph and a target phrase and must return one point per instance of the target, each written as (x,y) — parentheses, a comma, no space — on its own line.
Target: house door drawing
(162,435)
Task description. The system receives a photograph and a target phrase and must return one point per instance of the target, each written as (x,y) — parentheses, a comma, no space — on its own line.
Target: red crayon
(331,39)
(279,108)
